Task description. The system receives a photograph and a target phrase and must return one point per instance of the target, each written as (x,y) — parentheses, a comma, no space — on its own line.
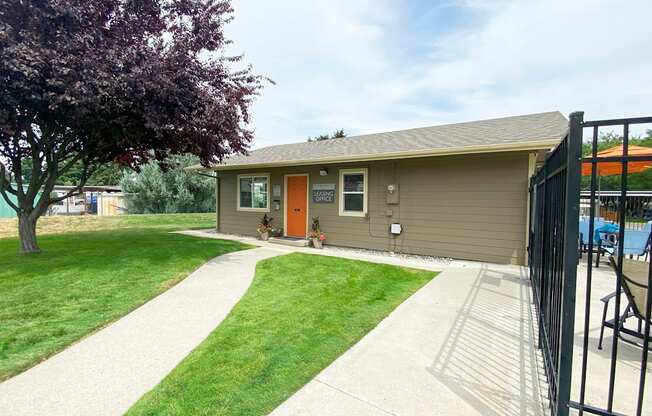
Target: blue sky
(370,66)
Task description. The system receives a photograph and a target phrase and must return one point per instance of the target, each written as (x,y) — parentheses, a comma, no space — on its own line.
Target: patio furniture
(584,230)
(606,234)
(603,236)
(637,242)
(634,281)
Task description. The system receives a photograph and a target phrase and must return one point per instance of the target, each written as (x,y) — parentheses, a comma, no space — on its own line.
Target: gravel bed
(381,253)
(374,253)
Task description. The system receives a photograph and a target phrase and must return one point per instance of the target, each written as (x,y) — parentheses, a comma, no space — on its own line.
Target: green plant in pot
(265,227)
(316,235)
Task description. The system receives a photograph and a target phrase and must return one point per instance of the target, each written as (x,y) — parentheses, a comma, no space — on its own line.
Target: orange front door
(297,209)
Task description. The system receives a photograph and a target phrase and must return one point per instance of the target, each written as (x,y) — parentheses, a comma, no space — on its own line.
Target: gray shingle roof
(531,131)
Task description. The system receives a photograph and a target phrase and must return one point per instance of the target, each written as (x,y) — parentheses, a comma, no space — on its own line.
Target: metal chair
(637,242)
(584,233)
(634,286)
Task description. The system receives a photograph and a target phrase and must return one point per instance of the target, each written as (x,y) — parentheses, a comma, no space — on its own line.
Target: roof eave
(510,147)
(197,168)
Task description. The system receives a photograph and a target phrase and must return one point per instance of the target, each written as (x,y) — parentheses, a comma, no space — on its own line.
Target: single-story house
(456,190)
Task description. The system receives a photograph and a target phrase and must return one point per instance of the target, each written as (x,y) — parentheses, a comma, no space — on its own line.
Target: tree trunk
(27,233)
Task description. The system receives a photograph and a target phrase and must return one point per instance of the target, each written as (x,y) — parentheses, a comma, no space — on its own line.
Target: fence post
(571,259)
(542,247)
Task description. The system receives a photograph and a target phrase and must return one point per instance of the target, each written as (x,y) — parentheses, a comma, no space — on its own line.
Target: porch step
(290,241)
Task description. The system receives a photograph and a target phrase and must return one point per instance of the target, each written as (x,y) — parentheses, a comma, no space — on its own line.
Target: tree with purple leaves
(91,82)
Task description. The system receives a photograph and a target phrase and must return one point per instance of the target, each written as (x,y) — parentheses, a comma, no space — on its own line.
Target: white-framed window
(353,192)
(253,192)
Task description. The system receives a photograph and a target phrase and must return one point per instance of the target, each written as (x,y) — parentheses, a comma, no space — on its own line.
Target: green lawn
(301,312)
(74,224)
(83,281)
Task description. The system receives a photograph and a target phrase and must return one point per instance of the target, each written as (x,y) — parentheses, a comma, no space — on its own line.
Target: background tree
(336,135)
(106,174)
(84,83)
(154,190)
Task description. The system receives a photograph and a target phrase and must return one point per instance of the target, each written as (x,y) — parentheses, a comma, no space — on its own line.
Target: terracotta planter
(264,236)
(316,243)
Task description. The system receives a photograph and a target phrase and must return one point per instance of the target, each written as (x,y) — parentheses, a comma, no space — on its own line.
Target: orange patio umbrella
(616,168)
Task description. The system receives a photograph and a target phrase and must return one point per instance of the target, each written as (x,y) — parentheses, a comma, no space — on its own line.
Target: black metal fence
(553,257)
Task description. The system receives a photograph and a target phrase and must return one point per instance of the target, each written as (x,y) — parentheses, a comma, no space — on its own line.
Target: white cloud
(351,65)
(566,55)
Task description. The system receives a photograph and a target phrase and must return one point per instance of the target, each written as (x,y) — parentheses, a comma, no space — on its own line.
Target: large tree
(83,83)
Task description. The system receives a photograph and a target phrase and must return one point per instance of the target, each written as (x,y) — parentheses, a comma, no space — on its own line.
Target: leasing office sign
(323,193)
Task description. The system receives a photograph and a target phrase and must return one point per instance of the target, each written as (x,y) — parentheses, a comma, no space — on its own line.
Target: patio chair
(637,242)
(598,242)
(598,222)
(634,281)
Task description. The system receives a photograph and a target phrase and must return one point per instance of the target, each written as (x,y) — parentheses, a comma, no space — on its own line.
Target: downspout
(217,203)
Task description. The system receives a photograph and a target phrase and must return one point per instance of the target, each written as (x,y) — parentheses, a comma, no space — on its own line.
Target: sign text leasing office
(323,193)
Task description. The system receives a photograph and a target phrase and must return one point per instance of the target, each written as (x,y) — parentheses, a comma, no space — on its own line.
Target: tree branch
(75,191)
(8,201)
(9,189)
(17,164)
(45,201)
(37,177)
(5,186)
(70,163)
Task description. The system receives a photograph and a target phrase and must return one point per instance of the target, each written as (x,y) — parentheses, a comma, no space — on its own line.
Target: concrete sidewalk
(628,367)
(462,345)
(420,262)
(107,372)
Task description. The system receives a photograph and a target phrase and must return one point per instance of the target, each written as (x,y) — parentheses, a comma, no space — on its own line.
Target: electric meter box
(392,195)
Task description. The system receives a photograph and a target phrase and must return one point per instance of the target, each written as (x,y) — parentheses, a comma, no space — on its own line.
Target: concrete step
(289,241)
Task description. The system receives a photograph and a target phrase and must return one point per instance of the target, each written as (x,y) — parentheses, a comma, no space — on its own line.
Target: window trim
(253,175)
(365,192)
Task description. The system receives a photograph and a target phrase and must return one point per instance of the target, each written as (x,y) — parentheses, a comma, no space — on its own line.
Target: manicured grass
(72,224)
(301,312)
(82,281)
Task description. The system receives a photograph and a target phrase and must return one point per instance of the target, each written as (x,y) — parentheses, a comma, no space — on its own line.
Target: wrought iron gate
(553,255)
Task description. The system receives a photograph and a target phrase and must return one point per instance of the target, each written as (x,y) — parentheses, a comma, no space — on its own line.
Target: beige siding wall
(465,207)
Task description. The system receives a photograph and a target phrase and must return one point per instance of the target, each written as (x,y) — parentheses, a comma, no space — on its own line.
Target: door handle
(297,209)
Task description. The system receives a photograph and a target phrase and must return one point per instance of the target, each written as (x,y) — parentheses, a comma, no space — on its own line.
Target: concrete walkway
(107,372)
(628,368)
(462,345)
(420,262)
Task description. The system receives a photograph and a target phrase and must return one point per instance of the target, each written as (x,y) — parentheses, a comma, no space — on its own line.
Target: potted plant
(265,227)
(316,235)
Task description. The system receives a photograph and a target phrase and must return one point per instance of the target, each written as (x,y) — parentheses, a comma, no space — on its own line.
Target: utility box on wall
(392,194)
